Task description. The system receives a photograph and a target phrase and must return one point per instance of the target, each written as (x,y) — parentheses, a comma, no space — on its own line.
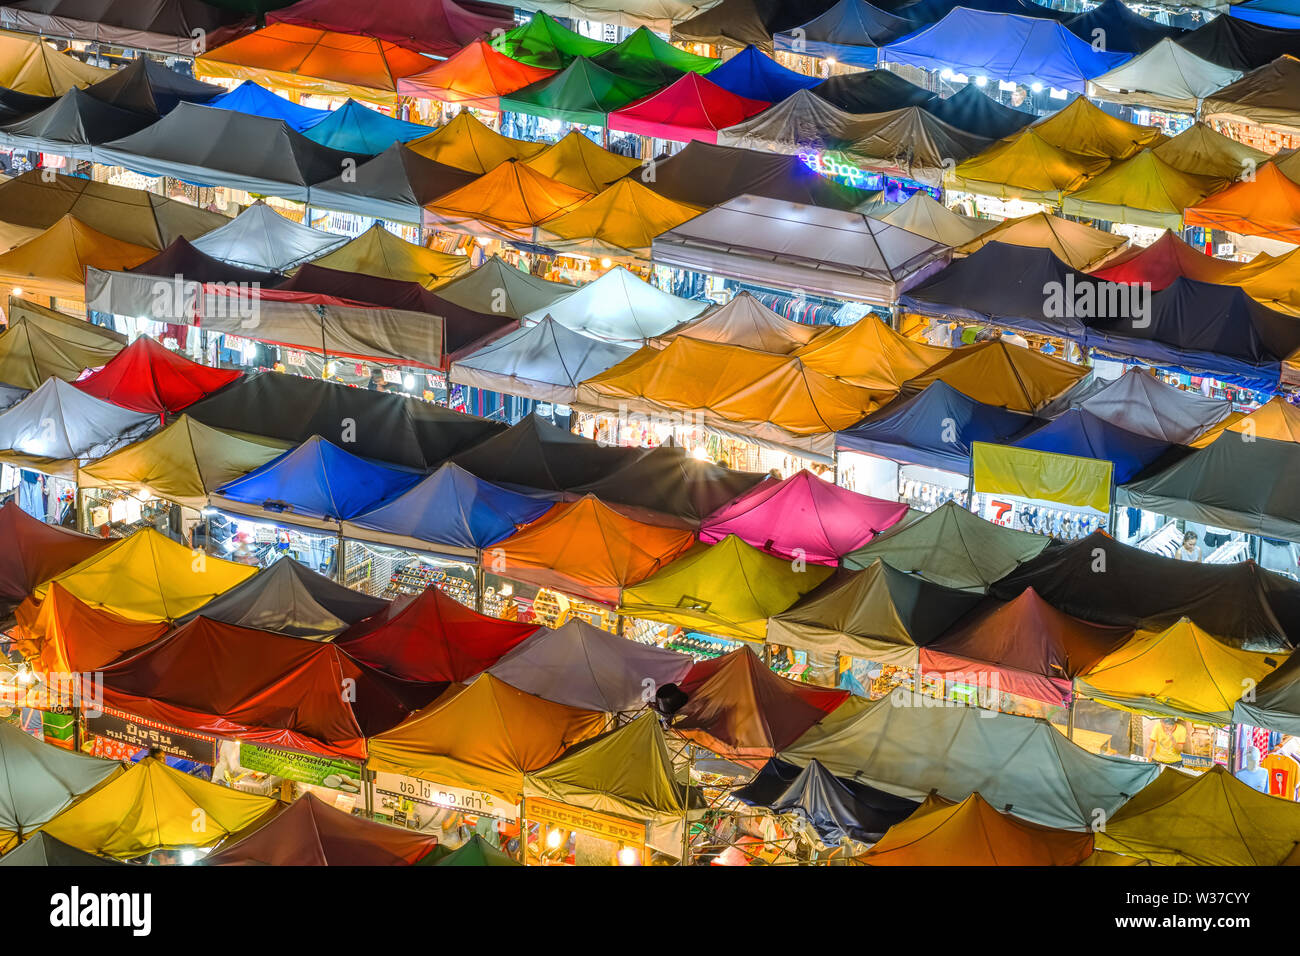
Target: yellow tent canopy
(729,588)
(153,807)
(1087,130)
(869,354)
(580,162)
(1203,151)
(467,143)
(485,737)
(1277,420)
(997,373)
(183,463)
(924,215)
(510,201)
(54,263)
(29,65)
(1179,672)
(972,833)
(747,322)
(41,343)
(1210,819)
(1272,280)
(1025,167)
(1144,191)
(378,252)
(620,222)
(1079,246)
(149,577)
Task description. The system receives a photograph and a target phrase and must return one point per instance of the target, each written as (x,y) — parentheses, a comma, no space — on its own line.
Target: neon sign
(896,188)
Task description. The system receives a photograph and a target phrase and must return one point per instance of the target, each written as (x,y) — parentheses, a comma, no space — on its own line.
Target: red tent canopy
(34,552)
(266,688)
(146,377)
(440,27)
(741,710)
(1166,259)
(693,107)
(432,637)
(477,76)
(312,833)
(64,635)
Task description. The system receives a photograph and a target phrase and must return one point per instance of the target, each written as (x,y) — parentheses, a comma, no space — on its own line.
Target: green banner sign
(304,768)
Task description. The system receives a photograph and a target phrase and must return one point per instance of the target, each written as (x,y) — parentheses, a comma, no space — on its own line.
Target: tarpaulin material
(145,377)
(40,781)
(1087,130)
(54,263)
(378,252)
(972,833)
(40,343)
(1239,44)
(740,709)
(932,11)
(590,550)
(746,322)
(1026,167)
(30,65)
(582,666)
(1122,30)
(485,737)
(692,108)
(732,23)
(645,56)
(1274,702)
(1208,819)
(1166,259)
(1022,764)
(432,637)
(1081,434)
(361,131)
(181,258)
(468,144)
(619,307)
(249,97)
(1273,281)
(1142,404)
(1263,97)
(147,86)
(952,547)
(850,32)
(534,454)
(475,852)
(153,807)
(756,76)
(1202,151)
(497,288)
(510,202)
(1064,479)
(926,216)
(879,613)
(62,635)
(450,509)
(41,849)
(654,14)
(543,41)
(1077,245)
(621,222)
(1237,603)
(435,27)
(183,463)
(312,833)
(72,126)
(1166,76)
(291,599)
(1272,13)
(728,588)
(476,76)
(161,26)
(15,105)
(1003,47)
(260,238)
(1000,374)
(583,92)
(1142,191)
(871,91)
(578,161)
(869,354)
(36,552)
(972,110)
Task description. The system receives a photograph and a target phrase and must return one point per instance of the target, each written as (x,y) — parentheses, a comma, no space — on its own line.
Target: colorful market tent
(629,772)
(1077,245)
(583,92)
(1266,205)
(1273,13)
(509,202)
(153,807)
(755,75)
(924,215)
(644,55)
(1123,30)
(1262,97)
(1237,603)
(41,849)
(147,86)
(286,692)
(621,222)
(878,613)
(692,108)
(746,322)
(450,511)
(935,427)
(545,362)
(30,65)
(825,251)
(850,32)
(261,238)
(486,737)
(533,454)
(578,161)
(378,252)
(362,131)
(15,105)
(803,517)
(475,852)
(542,41)
(1000,374)
(183,463)
(249,97)
(869,354)
(652,14)
(317,480)
(291,599)
(972,833)
(467,143)
(800,123)
(972,110)
(1140,403)
(1081,434)
(147,577)
(582,666)
(1273,704)
(739,708)
(40,781)
(931,11)
(1026,167)
(476,76)
(62,635)
(728,588)
(1013,48)
(1207,819)
(1022,764)
(871,91)
(40,343)
(1180,672)
(1023,647)
(435,27)
(1167,76)
(309,832)
(768,399)
(590,550)
(432,638)
(193,143)
(732,23)
(72,126)
(952,547)
(162,26)
(619,307)
(500,289)
(396,184)
(146,377)
(57,425)
(1166,259)
(36,552)
(1203,151)
(1086,129)
(1142,191)
(54,263)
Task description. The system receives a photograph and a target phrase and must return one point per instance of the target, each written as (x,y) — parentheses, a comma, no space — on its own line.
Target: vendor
(1190,551)
(1166,742)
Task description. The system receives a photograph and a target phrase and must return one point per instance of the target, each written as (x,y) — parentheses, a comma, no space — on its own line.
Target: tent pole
(479,577)
(342,562)
(1074,696)
(523,831)
(686,813)
(369,778)
(1232,749)
(83,520)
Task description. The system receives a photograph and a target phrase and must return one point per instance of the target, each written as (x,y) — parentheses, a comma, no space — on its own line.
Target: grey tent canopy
(1167,76)
(499,289)
(396,184)
(162,26)
(1141,403)
(260,238)
(746,322)
(534,454)
(38,781)
(146,86)
(72,125)
(58,424)
(1276,703)
(41,849)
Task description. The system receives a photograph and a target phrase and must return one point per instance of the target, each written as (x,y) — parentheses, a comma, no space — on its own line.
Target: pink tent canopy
(803,516)
(693,107)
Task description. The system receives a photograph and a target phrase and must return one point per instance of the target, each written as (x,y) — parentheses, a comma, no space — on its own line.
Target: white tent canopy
(1166,77)
(619,307)
(260,238)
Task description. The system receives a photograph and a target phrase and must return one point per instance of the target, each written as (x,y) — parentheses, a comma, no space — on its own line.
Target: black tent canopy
(182,259)
(146,86)
(1240,44)
(872,91)
(1122,30)
(535,454)
(72,125)
(396,184)
(972,110)
(163,26)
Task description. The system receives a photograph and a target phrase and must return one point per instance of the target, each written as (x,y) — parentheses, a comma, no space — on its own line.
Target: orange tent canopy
(54,263)
(1268,205)
(477,76)
(588,549)
(510,201)
(467,143)
(67,636)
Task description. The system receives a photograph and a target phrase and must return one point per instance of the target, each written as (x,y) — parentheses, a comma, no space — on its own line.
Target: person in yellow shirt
(1165,745)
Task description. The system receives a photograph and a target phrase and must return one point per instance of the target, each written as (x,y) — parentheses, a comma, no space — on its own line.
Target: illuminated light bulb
(700,454)
(554,839)
(606,262)
(628,857)
(946,74)
(188,857)
(981,81)
(18,290)
(1036,87)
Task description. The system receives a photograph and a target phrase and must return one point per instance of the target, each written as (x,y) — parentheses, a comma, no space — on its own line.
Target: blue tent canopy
(1084,435)
(453,508)
(353,128)
(1121,29)
(1269,13)
(1004,47)
(256,100)
(317,480)
(755,75)
(934,427)
(850,32)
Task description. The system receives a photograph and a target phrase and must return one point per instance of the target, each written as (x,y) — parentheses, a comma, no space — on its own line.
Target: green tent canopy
(583,92)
